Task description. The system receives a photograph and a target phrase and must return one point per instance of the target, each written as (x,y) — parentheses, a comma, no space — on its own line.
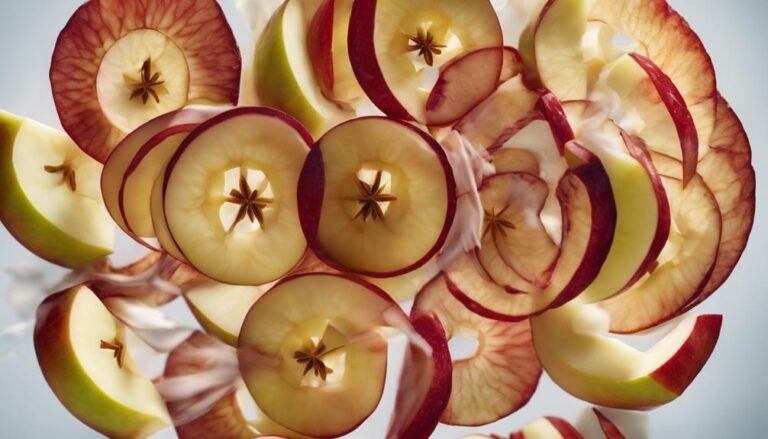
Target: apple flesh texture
(284,76)
(244,139)
(117,402)
(414,226)
(338,312)
(496,380)
(389,74)
(103,41)
(607,372)
(39,208)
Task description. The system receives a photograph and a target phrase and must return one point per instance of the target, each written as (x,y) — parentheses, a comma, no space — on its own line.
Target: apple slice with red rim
(229,196)
(377,197)
(610,429)
(118,66)
(499,377)
(393,44)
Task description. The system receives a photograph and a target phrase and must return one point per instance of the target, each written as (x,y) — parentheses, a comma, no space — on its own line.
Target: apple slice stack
(613,191)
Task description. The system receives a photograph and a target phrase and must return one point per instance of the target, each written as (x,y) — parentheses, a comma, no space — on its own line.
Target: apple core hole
(235,202)
(464,345)
(381,191)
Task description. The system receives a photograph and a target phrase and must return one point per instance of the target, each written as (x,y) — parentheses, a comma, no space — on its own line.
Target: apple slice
(116,67)
(512,64)
(607,372)
(558,48)
(160,224)
(512,160)
(312,354)
(49,195)
(377,197)
(549,427)
(84,358)
(229,196)
(499,377)
(610,429)
(394,43)
(284,77)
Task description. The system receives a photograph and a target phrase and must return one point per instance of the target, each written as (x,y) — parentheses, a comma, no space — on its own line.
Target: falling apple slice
(608,372)
(49,194)
(377,197)
(82,352)
(115,67)
(558,48)
(496,380)
(229,196)
(394,43)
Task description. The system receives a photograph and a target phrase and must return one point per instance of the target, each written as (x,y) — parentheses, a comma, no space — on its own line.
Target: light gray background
(729,398)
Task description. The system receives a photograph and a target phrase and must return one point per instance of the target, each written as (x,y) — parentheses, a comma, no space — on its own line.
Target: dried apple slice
(229,196)
(377,197)
(499,377)
(117,66)
(394,43)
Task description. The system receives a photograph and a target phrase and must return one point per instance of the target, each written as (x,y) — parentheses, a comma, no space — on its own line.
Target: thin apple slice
(160,224)
(377,197)
(393,43)
(82,352)
(115,66)
(49,194)
(312,354)
(549,427)
(229,196)
(512,64)
(558,48)
(607,372)
(682,269)
(610,429)
(496,380)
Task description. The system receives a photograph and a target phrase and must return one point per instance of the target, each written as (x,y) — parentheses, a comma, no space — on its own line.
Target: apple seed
(149,84)
(67,173)
(118,348)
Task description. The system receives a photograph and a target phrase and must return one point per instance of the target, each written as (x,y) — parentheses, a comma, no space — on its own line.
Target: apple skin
(35,232)
(610,429)
(70,382)
(320,45)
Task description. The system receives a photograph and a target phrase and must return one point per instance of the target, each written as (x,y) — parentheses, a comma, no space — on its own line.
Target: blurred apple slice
(559,50)
(548,427)
(229,196)
(376,197)
(49,194)
(393,44)
(115,68)
(499,377)
(610,430)
(82,352)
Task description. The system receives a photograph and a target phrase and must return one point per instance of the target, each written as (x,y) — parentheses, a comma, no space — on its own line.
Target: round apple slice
(312,354)
(377,197)
(49,194)
(229,196)
(499,377)
(115,66)
(394,43)
(82,352)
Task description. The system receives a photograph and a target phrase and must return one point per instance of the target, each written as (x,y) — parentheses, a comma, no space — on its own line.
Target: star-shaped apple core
(424,43)
(67,173)
(148,85)
(371,198)
(251,204)
(312,357)
(495,224)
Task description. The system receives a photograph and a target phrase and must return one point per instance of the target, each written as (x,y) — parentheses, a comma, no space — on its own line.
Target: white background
(729,398)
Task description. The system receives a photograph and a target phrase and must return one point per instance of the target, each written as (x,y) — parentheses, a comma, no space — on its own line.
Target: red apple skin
(610,429)
(512,64)
(554,113)
(320,46)
(426,416)
(681,116)
(683,367)
(312,189)
(567,431)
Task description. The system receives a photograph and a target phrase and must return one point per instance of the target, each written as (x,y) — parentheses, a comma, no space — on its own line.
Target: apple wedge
(116,67)
(49,194)
(377,197)
(284,76)
(499,377)
(610,373)
(610,430)
(229,196)
(393,44)
(82,353)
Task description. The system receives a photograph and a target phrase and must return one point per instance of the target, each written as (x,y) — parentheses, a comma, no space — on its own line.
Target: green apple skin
(24,221)
(70,382)
(210,326)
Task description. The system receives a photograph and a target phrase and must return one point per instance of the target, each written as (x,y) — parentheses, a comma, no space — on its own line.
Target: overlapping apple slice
(117,66)
(376,197)
(394,43)
(495,380)
(82,352)
(49,194)
(229,196)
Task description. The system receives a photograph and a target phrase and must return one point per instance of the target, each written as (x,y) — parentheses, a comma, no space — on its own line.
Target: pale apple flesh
(558,48)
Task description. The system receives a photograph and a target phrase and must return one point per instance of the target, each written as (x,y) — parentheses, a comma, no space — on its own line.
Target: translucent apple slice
(377,197)
(684,266)
(229,196)
(499,377)
(312,354)
(49,194)
(558,48)
(160,224)
(116,67)
(394,43)
(608,372)
(82,352)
